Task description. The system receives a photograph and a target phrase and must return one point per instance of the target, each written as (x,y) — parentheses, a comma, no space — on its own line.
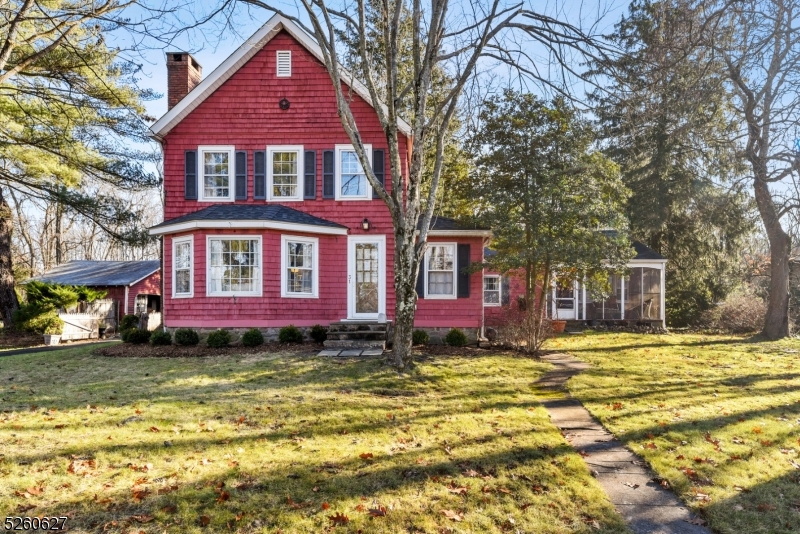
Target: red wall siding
(463,312)
(270,309)
(244,112)
(517,289)
(149,286)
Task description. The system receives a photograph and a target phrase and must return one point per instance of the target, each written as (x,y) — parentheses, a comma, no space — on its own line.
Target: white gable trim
(241,56)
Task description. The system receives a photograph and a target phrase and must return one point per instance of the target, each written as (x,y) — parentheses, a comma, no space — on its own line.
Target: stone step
(357,335)
(335,328)
(354,343)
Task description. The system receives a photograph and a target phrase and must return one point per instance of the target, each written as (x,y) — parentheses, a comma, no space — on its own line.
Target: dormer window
(284,63)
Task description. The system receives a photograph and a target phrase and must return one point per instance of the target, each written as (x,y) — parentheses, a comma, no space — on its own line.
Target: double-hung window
(351,180)
(299,266)
(491,290)
(234,266)
(182,285)
(440,271)
(216,173)
(285,172)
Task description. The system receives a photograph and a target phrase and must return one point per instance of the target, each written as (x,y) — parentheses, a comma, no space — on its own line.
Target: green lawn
(284,442)
(718,417)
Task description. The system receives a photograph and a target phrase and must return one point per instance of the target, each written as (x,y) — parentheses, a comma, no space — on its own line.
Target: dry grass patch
(717,416)
(285,442)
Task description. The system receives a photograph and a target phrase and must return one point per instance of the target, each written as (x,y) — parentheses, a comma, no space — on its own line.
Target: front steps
(357,335)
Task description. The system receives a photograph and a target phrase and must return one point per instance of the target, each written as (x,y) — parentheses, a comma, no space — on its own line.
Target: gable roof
(249,216)
(444,226)
(242,55)
(100,273)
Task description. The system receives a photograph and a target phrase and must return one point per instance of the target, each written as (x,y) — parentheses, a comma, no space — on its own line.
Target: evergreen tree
(669,127)
(69,108)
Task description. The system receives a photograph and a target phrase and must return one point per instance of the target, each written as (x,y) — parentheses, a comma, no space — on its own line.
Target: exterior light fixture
(365,224)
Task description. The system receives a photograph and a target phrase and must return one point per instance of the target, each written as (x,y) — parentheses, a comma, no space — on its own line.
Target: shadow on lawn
(666,343)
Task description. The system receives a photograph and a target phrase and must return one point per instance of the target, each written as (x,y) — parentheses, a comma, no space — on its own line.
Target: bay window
(182,275)
(299,267)
(234,266)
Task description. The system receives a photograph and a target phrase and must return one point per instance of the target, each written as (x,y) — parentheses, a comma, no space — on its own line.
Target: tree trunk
(776,322)
(405,277)
(8,297)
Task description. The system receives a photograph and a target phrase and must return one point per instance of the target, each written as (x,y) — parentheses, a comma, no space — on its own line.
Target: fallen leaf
(339,519)
(35,491)
(757,430)
(142,518)
(154,429)
(696,521)
(454,516)
(630,485)
(170,509)
(366,455)
(223,496)
(766,507)
(204,520)
(325,506)
(379,511)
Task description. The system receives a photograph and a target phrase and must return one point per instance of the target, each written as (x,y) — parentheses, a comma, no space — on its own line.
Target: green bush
(420,337)
(160,337)
(253,338)
(290,334)
(218,339)
(456,338)
(39,313)
(128,322)
(318,333)
(36,320)
(186,337)
(137,336)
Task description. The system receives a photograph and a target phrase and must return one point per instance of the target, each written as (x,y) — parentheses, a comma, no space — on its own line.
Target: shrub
(160,337)
(38,321)
(218,339)
(420,337)
(318,333)
(253,338)
(186,337)
(456,338)
(290,334)
(137,336)
(128,322)
(741,313)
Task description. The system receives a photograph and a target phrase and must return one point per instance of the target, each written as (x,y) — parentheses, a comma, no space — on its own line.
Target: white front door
(366,277)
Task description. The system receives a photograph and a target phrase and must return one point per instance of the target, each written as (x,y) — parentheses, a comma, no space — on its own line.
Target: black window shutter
(310,175)
(241,175)
(328,174)
(190,175)
(505,291)
(260,175)
(378,167)
(421,279)
(462,271)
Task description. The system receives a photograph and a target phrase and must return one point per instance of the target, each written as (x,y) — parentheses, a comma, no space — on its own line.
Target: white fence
(84,320)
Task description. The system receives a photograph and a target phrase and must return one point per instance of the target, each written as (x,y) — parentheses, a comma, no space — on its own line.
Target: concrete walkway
(350,352)
(642,501)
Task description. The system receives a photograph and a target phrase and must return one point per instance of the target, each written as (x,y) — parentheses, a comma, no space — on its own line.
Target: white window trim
(455,270)
(285,239)
(259,290)
(338,181)
(300,172)
(175,242)
(499,291)
(201,179)
(277,63)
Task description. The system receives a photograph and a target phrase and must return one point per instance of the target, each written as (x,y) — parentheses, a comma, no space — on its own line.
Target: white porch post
(622,298)
(663,296)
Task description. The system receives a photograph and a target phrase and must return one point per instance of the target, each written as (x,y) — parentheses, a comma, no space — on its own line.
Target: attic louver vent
(284,63)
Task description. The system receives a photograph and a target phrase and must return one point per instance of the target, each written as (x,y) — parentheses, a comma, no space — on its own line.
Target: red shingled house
(269,219)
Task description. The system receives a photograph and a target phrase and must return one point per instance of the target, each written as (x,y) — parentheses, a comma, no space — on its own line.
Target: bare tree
(454,37)
(759,43)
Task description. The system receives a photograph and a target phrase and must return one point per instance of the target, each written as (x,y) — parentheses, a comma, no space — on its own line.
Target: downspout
(126,299)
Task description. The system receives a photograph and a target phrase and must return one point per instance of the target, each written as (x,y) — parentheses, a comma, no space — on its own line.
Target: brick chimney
(183,75)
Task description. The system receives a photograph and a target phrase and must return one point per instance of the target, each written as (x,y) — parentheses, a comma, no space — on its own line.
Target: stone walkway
(351,352)
(642,501)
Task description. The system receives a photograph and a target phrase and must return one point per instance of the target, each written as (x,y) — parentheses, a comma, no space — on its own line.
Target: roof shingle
(100,273)
(234,212)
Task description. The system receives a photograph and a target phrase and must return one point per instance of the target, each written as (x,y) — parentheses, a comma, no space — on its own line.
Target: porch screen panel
(633,295)
(612,306)
(651,293)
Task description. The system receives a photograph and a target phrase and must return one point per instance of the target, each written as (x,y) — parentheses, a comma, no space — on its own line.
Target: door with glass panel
(366,277)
